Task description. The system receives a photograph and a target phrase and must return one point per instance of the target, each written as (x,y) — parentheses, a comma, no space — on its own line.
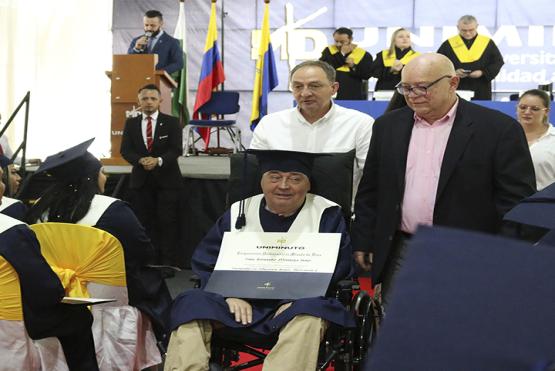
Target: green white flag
(181,95)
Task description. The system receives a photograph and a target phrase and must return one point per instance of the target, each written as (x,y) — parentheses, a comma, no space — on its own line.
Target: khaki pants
(296,348)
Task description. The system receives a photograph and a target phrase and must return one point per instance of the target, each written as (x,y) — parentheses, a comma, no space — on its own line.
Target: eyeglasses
(419,90)
(524,107)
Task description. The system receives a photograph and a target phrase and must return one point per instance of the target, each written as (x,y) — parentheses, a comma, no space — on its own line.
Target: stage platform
(196,167)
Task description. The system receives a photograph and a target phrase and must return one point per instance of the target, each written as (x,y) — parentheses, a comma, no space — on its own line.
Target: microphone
(147,35)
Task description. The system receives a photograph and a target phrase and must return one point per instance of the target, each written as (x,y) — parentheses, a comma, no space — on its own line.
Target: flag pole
(223,15)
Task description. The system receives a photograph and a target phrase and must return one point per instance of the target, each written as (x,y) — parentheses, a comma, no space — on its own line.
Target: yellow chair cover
(10,294)
(80,254)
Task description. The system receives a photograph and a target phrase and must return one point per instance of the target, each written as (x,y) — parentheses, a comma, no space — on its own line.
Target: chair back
(332,178)
(221,103)
(10,294)
(81,254)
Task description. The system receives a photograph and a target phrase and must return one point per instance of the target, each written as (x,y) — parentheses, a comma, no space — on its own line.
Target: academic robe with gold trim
(386,79)
(349,78)
(489,63)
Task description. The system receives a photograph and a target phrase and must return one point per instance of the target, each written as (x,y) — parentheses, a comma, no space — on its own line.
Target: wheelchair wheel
(368,313)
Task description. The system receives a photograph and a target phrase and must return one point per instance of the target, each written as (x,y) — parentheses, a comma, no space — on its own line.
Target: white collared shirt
(543,157)
(340,130)
(144,123)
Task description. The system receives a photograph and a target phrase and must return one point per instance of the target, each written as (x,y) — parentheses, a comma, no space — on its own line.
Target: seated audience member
(533,114)
(11,206)
(389,62)
(5,148)
(317,124)
(284,206)
(41,296)
(75,198)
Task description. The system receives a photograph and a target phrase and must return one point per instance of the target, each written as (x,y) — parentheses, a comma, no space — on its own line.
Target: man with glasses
(439,161)
(476,58)
(316,124)
(352,65)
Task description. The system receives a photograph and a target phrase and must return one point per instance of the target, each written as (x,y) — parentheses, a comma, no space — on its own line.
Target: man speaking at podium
(156,41)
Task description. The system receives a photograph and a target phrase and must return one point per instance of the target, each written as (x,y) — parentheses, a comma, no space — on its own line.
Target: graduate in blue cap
(75,197)
(284,206)
(41,294)
(11,206)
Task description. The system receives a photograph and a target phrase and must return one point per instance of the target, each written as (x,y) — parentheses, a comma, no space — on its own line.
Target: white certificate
(273,265)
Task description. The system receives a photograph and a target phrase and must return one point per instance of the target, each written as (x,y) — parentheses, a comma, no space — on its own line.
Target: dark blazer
(170,54)
(486,170)
(167,145)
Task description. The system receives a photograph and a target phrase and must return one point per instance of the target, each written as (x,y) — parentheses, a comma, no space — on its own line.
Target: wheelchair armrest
(347,285)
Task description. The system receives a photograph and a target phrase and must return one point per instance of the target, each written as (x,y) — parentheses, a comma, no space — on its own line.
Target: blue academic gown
(146,288)
(198,304)
(41,293)
(13,208)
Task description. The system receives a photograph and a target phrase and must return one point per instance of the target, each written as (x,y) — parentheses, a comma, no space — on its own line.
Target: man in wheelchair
(284,206)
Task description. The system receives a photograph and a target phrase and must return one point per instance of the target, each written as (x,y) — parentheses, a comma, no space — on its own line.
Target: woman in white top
(533,115)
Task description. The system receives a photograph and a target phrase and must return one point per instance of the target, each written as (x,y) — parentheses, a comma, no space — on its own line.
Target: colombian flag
(265,79)
(211,71)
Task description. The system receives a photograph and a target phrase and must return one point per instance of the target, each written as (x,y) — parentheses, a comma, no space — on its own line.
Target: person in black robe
(352,65)
(476,58)
(389,62)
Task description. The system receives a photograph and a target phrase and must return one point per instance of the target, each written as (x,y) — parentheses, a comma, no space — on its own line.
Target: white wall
(59,50)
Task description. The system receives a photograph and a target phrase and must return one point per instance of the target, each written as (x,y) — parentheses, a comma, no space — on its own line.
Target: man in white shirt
(317,124)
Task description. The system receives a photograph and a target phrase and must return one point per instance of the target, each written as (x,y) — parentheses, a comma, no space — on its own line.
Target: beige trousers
(296,348)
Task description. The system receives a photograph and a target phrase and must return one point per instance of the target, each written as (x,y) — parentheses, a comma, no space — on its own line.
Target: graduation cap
(537,210)
(276,160)
(469,301)
(5,161)
(285,161)
(73,163)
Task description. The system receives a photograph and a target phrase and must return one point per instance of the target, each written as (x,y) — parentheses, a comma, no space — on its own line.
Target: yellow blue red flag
(211,71)
(265,79)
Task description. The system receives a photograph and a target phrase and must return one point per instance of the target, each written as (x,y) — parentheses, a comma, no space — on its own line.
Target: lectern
(130,73)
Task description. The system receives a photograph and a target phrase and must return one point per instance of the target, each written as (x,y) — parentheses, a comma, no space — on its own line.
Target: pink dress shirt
(424,158)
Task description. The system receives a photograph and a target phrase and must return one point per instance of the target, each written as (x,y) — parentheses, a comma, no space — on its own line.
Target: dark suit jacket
(486,170)
(167,144)
(170,54)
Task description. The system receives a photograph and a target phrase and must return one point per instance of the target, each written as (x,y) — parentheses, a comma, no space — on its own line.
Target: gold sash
(473,54)
(388,60)
(356,55)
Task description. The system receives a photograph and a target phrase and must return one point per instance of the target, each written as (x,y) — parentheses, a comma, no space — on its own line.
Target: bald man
(439,161)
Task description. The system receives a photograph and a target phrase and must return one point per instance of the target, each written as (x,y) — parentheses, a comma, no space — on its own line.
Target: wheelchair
(342,348)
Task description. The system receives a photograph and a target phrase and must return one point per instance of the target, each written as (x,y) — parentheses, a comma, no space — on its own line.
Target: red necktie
(149,133)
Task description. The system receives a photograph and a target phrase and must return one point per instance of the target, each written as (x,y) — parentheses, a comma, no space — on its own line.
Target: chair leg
(187,141)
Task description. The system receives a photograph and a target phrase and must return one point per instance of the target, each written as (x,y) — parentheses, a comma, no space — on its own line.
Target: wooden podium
(130,73)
